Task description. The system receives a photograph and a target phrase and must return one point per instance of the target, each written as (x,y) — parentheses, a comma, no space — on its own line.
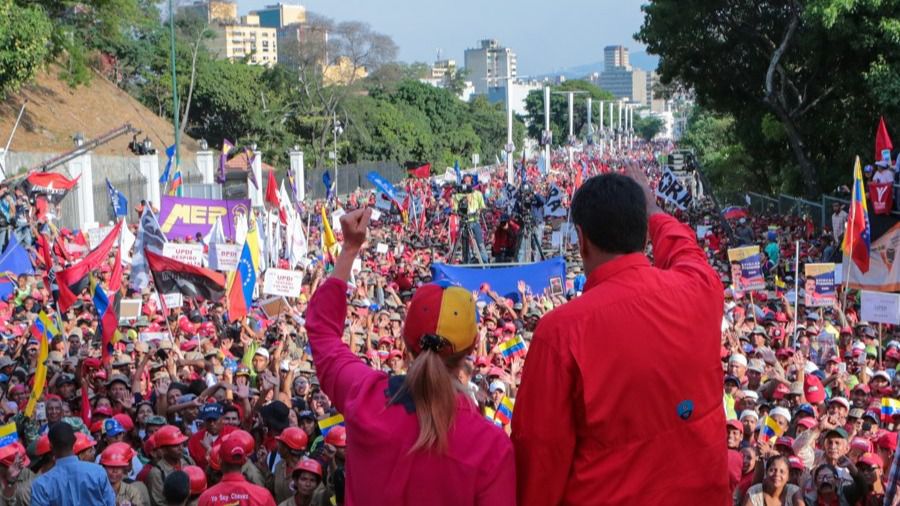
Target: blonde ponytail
(432,386)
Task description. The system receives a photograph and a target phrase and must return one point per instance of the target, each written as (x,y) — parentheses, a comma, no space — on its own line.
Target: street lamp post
(336,130)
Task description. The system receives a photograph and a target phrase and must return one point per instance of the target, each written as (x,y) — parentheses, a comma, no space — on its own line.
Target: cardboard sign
(881,307)
(173,300)
(375,215)
(96,236)
(147,337)
(671,190)
(746,269)
(224,257)
(381,248)
(274,307)
(283,282)
(130,309)
(191,254)
(819,288)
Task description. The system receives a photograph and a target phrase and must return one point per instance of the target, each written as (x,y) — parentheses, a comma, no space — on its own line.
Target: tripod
(465,242)
(529,248)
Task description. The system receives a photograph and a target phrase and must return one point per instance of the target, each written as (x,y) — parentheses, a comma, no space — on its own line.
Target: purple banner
(181,217)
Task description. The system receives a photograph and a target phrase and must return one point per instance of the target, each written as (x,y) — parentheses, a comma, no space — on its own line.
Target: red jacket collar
(615,266)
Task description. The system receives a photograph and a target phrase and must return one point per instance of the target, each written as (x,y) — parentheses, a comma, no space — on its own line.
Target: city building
(627,84)
(342,72)
(245,40)
(488,64)
(518,92)
(280,15)
(443,69)
(222,11)
(615,57)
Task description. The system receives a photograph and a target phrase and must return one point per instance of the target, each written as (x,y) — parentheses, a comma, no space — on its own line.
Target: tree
(647,126)
(815,66)
(559,109)
(24,36)
(196,30)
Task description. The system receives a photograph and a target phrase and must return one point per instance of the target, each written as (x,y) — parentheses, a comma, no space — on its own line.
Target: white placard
(96,236)
(336,219)
(356,267)
(375,215)
(129,309)
(146,337)
(556,238)
(173,300)
(880,307)
(185,253)
(224,257)
(671,190)
(381,248)
(283,282)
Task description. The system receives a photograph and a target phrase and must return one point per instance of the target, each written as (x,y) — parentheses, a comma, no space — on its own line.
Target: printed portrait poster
(820,286)
(746,269)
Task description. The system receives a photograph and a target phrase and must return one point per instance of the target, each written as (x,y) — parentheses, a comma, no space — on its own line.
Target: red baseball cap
(813,389)
(887,440)
(735,424)
(871,459)
(808,422)
(796,463)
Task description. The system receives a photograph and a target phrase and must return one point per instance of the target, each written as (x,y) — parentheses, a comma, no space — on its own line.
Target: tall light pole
(176,107)
(337,129)
(549,133)
(571,139)
(510,147)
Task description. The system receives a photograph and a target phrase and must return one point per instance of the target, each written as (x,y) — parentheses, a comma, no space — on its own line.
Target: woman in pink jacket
(414,439)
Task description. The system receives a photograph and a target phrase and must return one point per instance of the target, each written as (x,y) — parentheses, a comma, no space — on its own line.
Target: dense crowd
(216,402)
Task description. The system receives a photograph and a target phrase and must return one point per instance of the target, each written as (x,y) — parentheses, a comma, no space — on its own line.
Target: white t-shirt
(884,176)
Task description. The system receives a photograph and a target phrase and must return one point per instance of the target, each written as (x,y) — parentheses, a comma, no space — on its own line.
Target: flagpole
(796,289)
(853,200)
(175,105)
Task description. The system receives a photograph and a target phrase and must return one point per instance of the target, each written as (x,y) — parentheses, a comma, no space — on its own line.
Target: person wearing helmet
(116,459)
(85,447)
(15,476)
(43,460)
(234,488)
(336,449)
(430,448)
(291,448)
(198,483)
(169,442)
(306,476)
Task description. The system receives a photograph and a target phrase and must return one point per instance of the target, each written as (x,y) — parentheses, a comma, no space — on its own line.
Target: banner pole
(796,289)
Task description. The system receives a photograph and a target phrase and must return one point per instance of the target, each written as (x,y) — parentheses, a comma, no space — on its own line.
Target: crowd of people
(220,412)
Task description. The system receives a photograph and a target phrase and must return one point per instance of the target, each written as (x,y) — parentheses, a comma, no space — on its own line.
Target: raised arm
(338,369)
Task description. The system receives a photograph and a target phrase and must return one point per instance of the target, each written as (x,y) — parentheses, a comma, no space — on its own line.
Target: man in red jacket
(621,395)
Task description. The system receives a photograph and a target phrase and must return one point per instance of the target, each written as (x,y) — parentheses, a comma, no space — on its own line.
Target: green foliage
(559,109)
(24,38)
(647,126)
(714,139)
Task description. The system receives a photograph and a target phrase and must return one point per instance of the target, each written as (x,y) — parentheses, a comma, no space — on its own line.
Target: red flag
(882,142)
(882,195)
(77,275)
(454,227)
(272,190)
(44,251)
(421,172)
(115,277)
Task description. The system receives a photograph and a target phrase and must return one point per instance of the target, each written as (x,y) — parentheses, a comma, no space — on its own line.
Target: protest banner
(820,285)
(181,217)
(503,280)
(173,299)
(96,235)
(880,307)
(147,337)
(553,206)
(282,282)
(129,309)
(224,257)
(673,191)
(191,254)
(746,269)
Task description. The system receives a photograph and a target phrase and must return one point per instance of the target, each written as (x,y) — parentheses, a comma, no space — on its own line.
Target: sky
(546,36)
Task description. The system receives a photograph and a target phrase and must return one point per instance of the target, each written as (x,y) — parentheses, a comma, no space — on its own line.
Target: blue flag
(118,200)
(170,153)
(326,180)
(382,185)
(14,261)
(456,171)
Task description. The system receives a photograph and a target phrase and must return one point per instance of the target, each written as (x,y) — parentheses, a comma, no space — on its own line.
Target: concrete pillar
(296,158)
(84,191)
(149,166)
(206,165)
(256,192)
(3,167)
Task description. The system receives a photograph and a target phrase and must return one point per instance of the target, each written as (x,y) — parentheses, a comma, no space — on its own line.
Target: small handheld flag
(329,423)
(505,411)
(769,430)
(889,408)
(513,347)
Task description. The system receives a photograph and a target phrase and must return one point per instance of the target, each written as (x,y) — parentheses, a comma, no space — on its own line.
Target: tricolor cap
(441,318)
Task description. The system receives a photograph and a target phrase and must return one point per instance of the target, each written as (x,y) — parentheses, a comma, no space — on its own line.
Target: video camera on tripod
(525,202)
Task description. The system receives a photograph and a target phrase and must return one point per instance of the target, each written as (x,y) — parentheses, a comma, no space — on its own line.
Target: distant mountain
(640,60)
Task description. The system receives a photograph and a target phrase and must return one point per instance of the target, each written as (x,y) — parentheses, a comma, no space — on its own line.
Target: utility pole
(176,106)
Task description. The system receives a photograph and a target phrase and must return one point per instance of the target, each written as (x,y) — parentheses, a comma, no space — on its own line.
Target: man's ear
(582,244)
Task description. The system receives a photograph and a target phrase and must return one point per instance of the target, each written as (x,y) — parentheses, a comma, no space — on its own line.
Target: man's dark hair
(612,212)
(62,439)
(177,487)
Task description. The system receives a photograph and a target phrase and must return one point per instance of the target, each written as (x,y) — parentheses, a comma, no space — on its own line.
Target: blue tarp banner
(503,280)
(14,261)
(383,185)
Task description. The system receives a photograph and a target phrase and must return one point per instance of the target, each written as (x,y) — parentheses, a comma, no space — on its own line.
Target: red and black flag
(75,279)
(419,170)
(52,185)
(172,276)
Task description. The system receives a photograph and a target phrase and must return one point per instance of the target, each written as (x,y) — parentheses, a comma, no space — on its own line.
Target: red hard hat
(214,458)
(117,455)
(309,465)
(126,421)
(237,447)
(8,455)
(169,435)
(198,479)
(149,445)
(97,427)
(294,438)
(43,446)
(337,436)
(83,442)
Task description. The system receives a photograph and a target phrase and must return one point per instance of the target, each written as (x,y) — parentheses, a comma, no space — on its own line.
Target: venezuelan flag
(505,411)
(175,188)
(491,414)
(858,234)
(239,293)
(889,408)
(513,347)
(44,331)
(8,434)
(330,423)
(780,285)
(769,429)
